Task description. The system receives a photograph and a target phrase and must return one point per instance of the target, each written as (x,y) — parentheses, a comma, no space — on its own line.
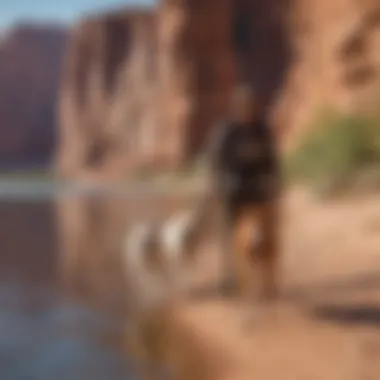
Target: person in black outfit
(245,175)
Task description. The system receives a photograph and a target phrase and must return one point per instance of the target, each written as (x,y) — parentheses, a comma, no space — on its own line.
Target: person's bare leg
(246,238)
(269,251)
(263,255)
(244,229)
(228,285)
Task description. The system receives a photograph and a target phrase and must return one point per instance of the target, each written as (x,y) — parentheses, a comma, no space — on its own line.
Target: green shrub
(335,152)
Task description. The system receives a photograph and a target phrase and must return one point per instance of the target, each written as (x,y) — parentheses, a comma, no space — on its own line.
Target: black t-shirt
(245,161)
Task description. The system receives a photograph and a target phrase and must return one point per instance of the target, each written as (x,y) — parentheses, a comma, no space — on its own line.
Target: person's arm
(216,151)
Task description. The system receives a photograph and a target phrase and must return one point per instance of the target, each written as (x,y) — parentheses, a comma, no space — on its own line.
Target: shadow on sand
(362,314)
(340,286)
(324,299)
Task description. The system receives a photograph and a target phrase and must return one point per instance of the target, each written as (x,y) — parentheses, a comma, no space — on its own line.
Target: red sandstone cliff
(337,61)
(175,68)
(196,71)
(106,96)
(141,88)
(30,58)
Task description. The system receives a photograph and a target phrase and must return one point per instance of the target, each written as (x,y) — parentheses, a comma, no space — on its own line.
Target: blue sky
(51,10)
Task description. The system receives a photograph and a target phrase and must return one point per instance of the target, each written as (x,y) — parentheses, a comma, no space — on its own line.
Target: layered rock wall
(336,60)
(142,88)
(196,71)
(105,100)
(30,61)
(176,67)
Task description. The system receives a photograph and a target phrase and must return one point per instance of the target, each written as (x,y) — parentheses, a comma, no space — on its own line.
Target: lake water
(41,335)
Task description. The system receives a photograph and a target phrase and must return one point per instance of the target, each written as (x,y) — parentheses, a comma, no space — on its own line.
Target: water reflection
(61,247)
(41,338)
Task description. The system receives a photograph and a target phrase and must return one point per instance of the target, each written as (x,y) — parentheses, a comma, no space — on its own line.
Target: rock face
(196,71)
(264,50)
(337,59)
(106,98)
(176,67)
(30,58)
(141,88)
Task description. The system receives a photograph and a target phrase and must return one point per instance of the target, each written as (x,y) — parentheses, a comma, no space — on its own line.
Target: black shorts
(258,190)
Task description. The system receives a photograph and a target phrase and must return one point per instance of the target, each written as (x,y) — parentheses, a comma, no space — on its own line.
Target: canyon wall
(175,66)
(143,88)
(336,61)
(30,61)
(196,72)
(106,94)
(169,74)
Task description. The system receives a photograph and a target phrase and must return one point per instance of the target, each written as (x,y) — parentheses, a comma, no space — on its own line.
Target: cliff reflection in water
(51,341)
(41,335)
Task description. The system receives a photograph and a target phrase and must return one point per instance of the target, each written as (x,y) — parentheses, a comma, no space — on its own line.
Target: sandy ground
(326,325)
